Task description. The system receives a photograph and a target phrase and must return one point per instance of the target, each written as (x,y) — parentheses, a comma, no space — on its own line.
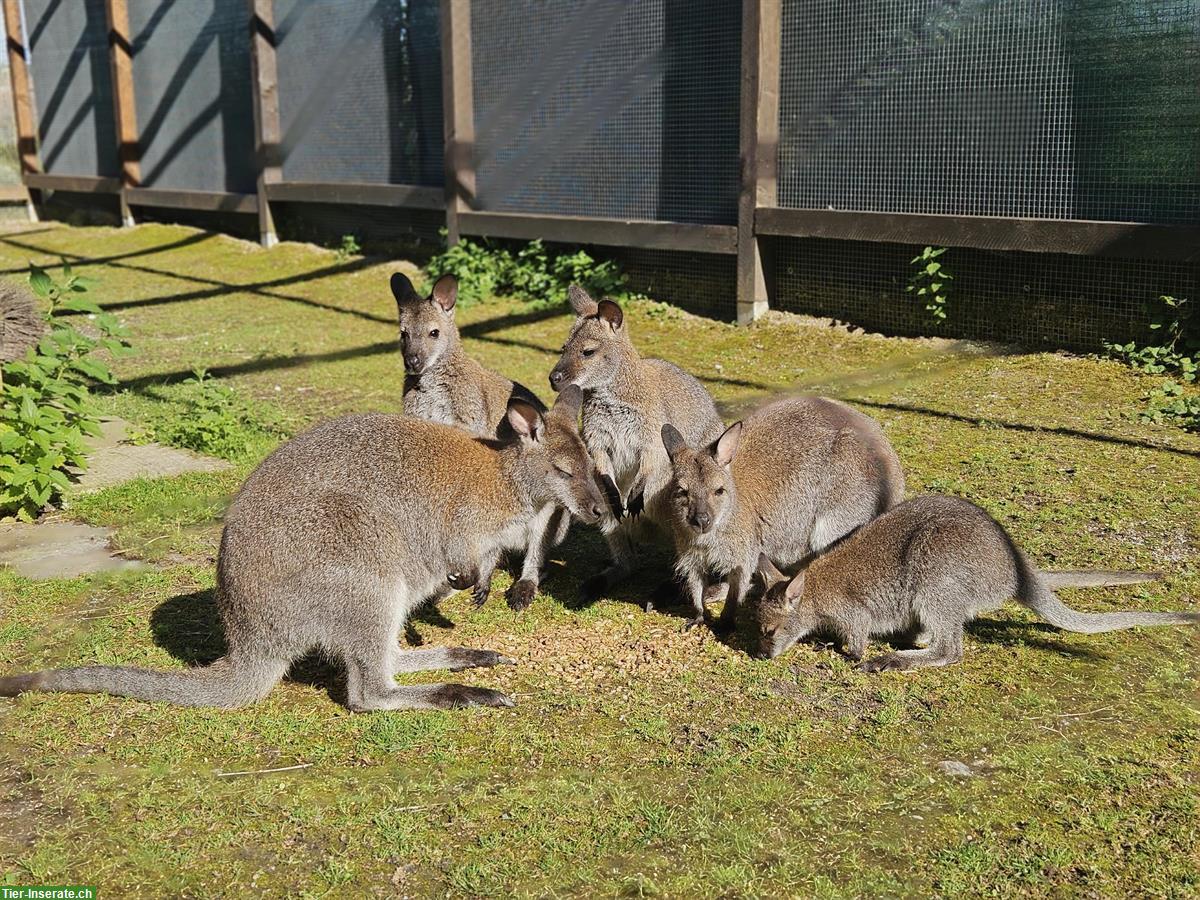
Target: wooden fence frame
(759,217)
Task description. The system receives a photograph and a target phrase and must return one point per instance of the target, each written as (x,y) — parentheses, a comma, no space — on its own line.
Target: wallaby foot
(944,654)
(636,505)
(462,579)
(452,658)
(520,594)
(482,588)
(694,622)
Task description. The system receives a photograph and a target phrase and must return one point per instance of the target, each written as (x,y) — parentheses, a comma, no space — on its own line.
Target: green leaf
(41,283)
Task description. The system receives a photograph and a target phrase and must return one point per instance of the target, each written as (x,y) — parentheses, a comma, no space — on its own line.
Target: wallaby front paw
(637,505)
(693,622)
(456,696)
(593,589)
(479,593)
(613,495)
(878,664)
(462,579)
(520,594)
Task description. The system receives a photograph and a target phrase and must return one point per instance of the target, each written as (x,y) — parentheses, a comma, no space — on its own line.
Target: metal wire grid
(1034,299)
(69,63)
(327,223)
(1031,108)
(360,90)
(192,89)
(607,108)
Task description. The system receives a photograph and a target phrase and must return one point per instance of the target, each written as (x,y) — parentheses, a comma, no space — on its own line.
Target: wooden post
(762,25)
(22,95)
(268,136)
(458,109)
(120,50)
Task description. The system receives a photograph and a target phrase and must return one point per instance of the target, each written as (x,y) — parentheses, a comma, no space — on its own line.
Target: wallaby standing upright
(788,481)
(443,384)
(341,533)
(926,567)
(627,400)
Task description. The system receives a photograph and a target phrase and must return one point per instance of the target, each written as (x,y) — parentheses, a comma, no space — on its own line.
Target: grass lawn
(639,760)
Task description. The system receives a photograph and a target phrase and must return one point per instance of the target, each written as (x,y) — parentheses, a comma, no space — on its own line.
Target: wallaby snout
(701,520)
(558,378)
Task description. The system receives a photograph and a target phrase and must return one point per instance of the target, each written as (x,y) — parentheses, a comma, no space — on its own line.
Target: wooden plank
(120,51)
(13,193)
(644,233)
(1087,238)
(458,112)
(268,138)
(207,201)
(358,194)
(22,92)
(762,25)
(80,184)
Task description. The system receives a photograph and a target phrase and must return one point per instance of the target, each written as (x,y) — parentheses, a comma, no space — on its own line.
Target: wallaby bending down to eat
(925,568)
(627,400)
(341,533)
(443,384)
(788,481)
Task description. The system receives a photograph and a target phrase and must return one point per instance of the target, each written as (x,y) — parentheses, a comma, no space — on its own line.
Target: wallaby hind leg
(452,658)
(369,686)
(945,649)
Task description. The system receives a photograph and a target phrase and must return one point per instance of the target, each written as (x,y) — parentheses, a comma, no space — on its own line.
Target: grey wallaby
(341,533)
(443,384)
(627,400)
(788,481)
(923,570)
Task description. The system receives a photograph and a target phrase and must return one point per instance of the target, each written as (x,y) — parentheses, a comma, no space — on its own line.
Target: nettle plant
(1176,354)
(929,282)
(46,407)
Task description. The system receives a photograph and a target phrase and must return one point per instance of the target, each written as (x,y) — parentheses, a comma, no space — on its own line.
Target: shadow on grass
(1038,635)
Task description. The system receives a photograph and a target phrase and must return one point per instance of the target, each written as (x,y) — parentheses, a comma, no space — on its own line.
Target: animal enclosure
(732,155)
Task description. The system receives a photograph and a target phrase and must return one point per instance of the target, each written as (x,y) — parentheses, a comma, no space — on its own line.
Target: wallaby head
(554,465)
(781,617)
(598,344)
(701,488)
(427,330)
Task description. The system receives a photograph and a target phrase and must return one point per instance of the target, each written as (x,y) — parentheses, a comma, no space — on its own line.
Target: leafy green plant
(1177,354)
(348,247)
(210,417)
(45,401)
(541,276)
(929,282)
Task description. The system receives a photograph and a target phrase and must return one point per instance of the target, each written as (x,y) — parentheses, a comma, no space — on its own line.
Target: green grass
(639,760)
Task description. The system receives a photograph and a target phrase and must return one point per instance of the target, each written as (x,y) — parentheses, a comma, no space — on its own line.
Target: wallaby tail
(228,682)
(1036,592)
(1062,578)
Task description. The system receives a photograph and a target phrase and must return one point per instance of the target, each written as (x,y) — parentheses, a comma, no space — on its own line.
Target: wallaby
(788,481)
(926,567)
(341,533)
(627,400)
(443,384)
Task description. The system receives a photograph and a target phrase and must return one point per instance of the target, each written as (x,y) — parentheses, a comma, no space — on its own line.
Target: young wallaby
(443,384)
(788,481)
(341,533)
(627,400)
(925,568)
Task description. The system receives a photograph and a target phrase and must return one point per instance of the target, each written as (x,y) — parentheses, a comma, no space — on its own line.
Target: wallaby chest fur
(926,567)
(462,392)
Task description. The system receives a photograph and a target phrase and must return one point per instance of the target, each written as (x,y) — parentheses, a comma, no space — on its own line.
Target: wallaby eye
(770,632)
(565,473)
(681,492)
(719,491)
(434,333)
(590,352)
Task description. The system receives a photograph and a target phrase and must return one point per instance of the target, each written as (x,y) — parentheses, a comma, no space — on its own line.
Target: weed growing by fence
(347,247)
(204,415)
(1177,356)
(929,282)
(486,270)
(45,403)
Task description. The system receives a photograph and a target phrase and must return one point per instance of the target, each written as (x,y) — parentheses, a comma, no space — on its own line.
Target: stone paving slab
(114,461)
(59,550)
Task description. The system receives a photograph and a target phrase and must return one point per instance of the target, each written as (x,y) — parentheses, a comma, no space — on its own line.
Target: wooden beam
(268,139)
(644,233)
(120,52)
(80,184)
(22,95)
(205,201)
(458,111)
(358,194)
(13,193)
(1086,238)
(762,25)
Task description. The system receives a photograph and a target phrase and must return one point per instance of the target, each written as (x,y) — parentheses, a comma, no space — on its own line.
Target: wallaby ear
(767,571)
(445,292)
(402,288)
(610,313)
(672,439)
(795,589)
(581,301)
(569,402)
(727,444)
(525,420)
